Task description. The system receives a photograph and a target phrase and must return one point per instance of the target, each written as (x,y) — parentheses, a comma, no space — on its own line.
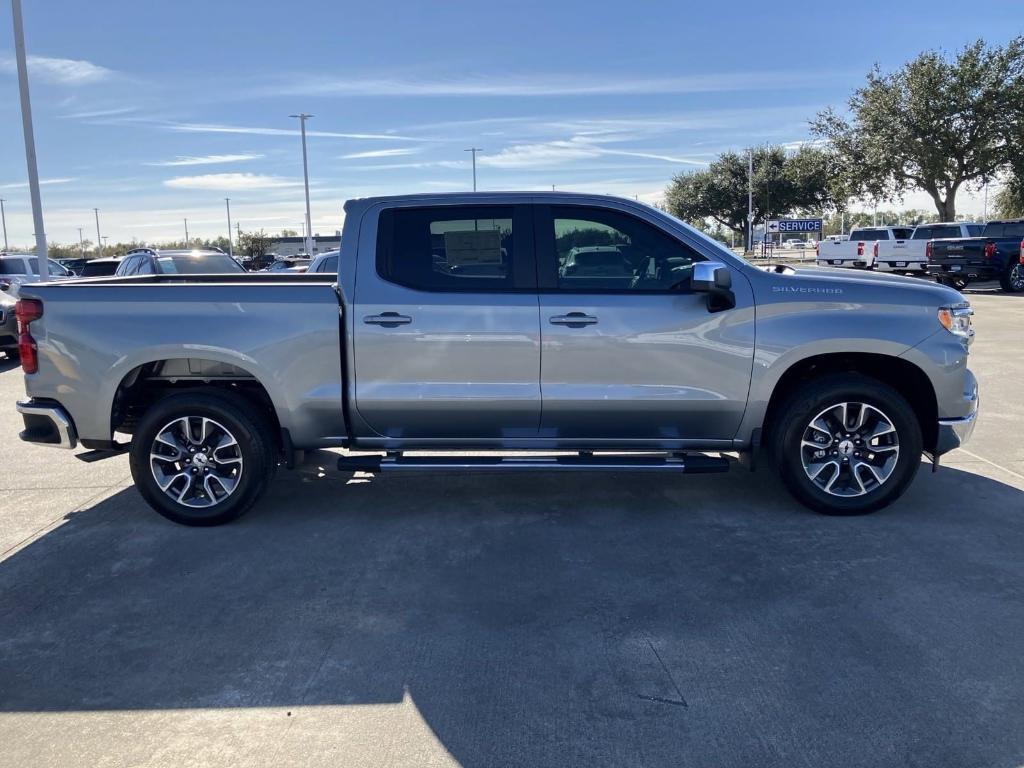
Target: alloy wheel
(196,461)
(849,449)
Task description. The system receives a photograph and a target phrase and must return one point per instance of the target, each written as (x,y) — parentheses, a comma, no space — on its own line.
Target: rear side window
(922,233)
(330,264)
(450,248)
(198,265)
(1013,229)
(945,231)
(12,267)
(903,233)
(974,230)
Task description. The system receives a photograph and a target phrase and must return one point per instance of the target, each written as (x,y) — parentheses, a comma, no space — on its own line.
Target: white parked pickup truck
(912,255)
(859,250)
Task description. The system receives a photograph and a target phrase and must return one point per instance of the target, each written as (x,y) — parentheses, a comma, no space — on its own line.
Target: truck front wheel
(846,444)
(199,459)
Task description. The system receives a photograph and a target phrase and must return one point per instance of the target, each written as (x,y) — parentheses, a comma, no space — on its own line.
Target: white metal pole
(227,202)
(99,240)
(303,117)
(186,233)
(3,217)
(984,215)
(30,143)
(473,151)
(81,244)
(750,200)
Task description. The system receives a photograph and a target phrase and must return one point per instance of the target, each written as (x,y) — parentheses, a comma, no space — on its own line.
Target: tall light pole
(227,202)
(99,240)
(81,244)
(3,218)
(30,143)
(750,199)
(186,233)
(474,150)
(302,117)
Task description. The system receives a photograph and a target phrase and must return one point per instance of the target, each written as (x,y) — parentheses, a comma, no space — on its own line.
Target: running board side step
(694,463)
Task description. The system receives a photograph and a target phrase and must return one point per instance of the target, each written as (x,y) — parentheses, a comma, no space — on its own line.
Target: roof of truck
(484,196)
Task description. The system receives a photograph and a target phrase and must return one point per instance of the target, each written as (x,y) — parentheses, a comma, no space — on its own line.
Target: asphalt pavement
(526,620)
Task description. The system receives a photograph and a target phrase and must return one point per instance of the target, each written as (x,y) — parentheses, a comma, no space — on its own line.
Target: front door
(629,352)
(447,342)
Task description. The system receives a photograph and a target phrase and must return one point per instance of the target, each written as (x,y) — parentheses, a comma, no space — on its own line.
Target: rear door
(446,337)
(629,352)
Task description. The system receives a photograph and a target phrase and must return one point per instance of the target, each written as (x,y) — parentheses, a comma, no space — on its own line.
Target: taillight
(860,249)
(874,250)
(928,249)
(1021,252)
(25,311)
(990,250)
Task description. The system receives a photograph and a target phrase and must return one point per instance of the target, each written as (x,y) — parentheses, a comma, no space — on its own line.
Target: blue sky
(156,111)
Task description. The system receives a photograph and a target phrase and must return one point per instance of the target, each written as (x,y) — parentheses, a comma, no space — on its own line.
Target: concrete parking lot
(521,620)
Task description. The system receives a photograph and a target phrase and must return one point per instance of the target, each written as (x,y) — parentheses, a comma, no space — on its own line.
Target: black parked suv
(998,254)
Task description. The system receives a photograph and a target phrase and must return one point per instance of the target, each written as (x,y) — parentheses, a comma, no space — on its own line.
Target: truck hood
(917,289)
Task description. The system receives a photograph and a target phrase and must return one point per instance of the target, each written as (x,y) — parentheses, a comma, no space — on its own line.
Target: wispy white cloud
(60,71)
(261,131)
(92,114)
(579,147)
(396,152)
(205,160)
(230,182)
(24,184)
(546,84)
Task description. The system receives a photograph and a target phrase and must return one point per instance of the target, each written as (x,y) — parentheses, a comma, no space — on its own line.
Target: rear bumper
(899,266)
(982,270)
(47,423)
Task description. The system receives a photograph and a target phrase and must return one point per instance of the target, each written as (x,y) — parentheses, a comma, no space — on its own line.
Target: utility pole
(99,240)
(186,233)
(231,250)
(984,215)
(474,150)
(302,117)
(750,199)
(81,244)
(3,218)
(30,143)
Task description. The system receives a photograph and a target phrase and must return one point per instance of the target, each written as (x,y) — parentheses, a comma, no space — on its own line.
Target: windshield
(200,264)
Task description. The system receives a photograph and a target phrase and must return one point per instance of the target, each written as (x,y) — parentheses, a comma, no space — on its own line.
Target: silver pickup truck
(563,332)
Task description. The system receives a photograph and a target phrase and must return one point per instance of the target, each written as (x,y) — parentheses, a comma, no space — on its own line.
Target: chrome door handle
(573,320)
(387,319)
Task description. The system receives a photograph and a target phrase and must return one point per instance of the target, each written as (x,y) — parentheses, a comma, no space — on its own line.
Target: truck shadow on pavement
(551,620)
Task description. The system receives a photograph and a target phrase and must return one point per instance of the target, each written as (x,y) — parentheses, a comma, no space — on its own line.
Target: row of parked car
(954,253)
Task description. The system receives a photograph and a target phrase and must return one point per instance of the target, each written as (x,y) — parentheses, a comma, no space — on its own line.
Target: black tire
(818,396)
(253,446)
(1012,280)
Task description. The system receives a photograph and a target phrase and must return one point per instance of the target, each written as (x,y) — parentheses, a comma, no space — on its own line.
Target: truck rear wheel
(846,444)
(1012,280)
(199,459)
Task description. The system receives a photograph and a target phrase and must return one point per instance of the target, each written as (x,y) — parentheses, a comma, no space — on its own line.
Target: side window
(453,248)
(902,234)
(11,266)
(923,233)
(145,266)
(330,264)
(601,250)
(974,230)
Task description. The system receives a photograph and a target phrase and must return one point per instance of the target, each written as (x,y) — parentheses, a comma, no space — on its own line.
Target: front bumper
(47,423)
(954,432)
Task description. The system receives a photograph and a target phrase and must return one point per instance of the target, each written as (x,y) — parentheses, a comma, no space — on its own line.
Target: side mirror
(714,279)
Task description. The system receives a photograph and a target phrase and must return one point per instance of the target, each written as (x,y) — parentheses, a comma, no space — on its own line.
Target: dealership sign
(794,225)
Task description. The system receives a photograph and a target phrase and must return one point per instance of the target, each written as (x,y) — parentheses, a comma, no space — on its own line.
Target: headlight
(957,320)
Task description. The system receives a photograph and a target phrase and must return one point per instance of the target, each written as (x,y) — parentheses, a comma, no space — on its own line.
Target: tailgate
(968,248)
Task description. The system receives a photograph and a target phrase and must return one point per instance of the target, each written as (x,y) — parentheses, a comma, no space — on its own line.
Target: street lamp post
(474,150)
(81,244)
(30,142)
(302,117)
(99,240)
(231,250)
(3,218)
(186,233)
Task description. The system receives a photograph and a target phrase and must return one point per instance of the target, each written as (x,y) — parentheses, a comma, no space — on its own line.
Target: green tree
(289,233)
(936,124)
(254,244)
(783,184)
